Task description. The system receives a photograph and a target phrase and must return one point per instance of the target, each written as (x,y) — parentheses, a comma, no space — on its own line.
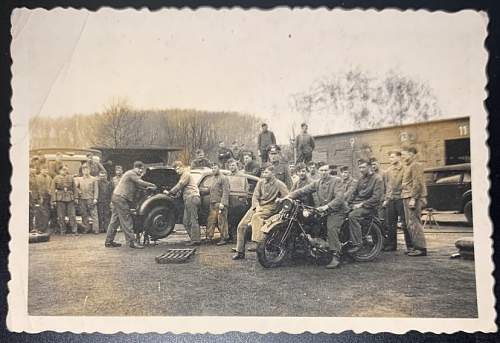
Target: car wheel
(160,222)
(468,212)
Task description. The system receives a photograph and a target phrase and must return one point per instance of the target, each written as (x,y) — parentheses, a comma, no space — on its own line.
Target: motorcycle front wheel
(372,244)
(271,252)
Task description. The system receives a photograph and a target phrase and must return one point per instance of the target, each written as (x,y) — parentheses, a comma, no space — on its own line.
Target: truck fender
(153,200)
(271,223)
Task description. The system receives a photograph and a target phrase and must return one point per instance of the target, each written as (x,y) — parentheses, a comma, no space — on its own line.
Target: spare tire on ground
(38,237)
(465,247)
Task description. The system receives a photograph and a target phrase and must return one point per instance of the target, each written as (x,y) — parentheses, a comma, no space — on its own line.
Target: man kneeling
(264,205)
(329,192)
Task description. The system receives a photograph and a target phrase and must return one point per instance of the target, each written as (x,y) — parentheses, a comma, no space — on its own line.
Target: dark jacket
(369,191)
(329,192)
(308,198)
(304,143)
(265,139)
(252,168)
(282,173)
(105,191)
(63,189)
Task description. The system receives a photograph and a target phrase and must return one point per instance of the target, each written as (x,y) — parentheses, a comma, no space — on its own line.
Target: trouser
(89,210)
(356,218)
(218,217)
(31,213)
(66,208)
(120,217)
(190,219)
(333,224)
(305,157)
(43,214)
(241,231)
(261,214)
(414,224)
(395,209)
(104,214)
(264,156)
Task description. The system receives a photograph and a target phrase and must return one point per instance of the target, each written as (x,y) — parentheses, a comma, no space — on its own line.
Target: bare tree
(366,101)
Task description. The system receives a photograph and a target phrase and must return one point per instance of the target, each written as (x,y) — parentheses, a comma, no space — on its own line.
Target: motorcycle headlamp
(287,204)
(306,213)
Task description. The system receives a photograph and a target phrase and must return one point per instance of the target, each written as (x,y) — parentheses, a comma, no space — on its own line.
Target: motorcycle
(300,230)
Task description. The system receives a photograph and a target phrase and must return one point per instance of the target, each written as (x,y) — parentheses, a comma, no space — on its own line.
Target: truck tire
(36,237)
(468,212)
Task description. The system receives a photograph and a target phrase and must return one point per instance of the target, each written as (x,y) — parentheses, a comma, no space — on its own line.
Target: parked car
(449,189)
(156,213)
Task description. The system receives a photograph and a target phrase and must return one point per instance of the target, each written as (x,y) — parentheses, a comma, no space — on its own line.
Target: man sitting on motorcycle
(364,201)
(264,205)
(328,189)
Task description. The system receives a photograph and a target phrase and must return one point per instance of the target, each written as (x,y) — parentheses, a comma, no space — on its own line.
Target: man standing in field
(105,189)
(63,195)
(88,192)
(219,204)
(414,193)
(43,183)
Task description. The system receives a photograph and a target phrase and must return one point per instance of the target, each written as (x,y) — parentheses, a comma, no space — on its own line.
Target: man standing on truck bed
(122,197)
(264,141)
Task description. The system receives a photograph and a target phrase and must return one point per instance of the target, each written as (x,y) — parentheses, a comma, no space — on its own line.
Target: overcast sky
(76,61)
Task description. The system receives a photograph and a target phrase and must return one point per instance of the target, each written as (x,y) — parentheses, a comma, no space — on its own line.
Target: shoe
(409,250)
(112,245)
(234,250)
(135,245)
(239,256)
(221,242)
(418,252)
(389,248)
(252,249)
(190,244)
(76,234)
(334,263)
(353,249)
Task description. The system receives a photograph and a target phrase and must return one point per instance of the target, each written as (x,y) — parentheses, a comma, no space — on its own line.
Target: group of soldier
(52,186)
(396,195)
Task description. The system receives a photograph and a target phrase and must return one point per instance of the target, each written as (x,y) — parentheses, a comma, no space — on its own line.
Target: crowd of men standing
(396,195)
(51,186)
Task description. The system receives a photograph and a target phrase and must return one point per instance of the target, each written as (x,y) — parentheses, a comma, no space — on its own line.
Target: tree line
(120,125)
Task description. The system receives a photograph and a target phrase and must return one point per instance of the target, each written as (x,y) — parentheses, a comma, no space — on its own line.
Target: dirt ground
(78,276)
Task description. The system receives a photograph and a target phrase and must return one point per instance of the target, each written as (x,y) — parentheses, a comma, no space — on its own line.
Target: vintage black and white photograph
(222,170)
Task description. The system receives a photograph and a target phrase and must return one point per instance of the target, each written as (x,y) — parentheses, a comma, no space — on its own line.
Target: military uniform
(219,194)
(103,201)
(264,196)
(395,207)
(329,193)
(301,183)
(191,196)
(413,187)
(348,186)
(43,183)
(121,199)
(88,192)
(304,145)
(282,173)
(63,194)
(368,192)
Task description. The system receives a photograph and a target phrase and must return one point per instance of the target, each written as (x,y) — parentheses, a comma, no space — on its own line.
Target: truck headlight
(306,213)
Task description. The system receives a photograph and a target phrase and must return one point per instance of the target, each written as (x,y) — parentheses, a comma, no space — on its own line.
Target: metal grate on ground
(175,256)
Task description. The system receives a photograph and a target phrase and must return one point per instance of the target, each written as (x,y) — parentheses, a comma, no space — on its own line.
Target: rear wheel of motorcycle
(372,244)
(270,252)
(160,222)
